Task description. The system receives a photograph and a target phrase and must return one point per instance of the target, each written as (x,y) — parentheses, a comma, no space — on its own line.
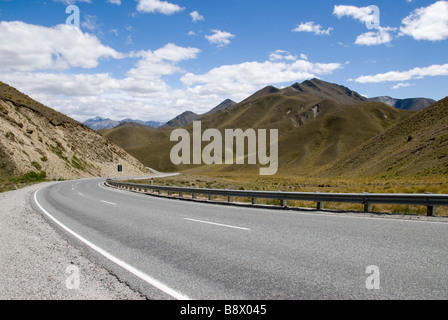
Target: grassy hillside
(416,147)
(312,132)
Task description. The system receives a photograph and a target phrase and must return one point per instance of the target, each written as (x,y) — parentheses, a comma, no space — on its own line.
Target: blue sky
(153,59)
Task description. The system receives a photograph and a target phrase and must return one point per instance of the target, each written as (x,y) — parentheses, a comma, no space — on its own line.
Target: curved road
(174,249)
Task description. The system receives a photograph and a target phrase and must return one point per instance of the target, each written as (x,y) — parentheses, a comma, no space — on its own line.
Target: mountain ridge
(313,130)
(98,123)
(414,104)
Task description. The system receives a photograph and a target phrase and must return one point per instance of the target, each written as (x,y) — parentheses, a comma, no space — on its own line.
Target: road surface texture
(174,249)
(35,258)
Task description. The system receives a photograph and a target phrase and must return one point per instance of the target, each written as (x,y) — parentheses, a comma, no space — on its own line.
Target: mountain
(326,90)
(35,138)
(182,119)
(150,123)
(314,130)
(416,146)
(414,104)
(99,123)
(226,104)
(188,117)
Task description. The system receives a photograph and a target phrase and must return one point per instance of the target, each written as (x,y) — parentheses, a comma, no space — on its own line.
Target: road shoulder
(37,263)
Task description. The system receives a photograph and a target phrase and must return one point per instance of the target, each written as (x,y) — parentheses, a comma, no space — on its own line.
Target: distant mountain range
(183,119)
(188,117)
(314,87)
(99,123)
(414,104)
(318,122)
(324,130)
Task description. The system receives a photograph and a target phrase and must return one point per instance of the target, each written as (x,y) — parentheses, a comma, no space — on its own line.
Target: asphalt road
(174,249)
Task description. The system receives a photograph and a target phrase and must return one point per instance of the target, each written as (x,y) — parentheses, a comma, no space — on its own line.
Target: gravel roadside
(37,263)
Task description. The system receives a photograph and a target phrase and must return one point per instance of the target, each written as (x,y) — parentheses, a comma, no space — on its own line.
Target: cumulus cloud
(363,14)
(195,16)
(427,23)
(382,36)
(401,85)
(161,62)
(27,47)
(164,7)
(369,16)
(220,38)
(242,79)
(415,73)
(310,26)
(282,55)
(143,90)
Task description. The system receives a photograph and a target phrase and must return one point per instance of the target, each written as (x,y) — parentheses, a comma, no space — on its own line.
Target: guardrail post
(431,202)
(431,211)
(367,207)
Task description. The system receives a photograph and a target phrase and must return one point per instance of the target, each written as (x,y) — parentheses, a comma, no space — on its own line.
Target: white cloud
(311,27)
(29,47)
(68,2)
(220,38)
(416,73)
(90,22)
(58,84)
(195,16)
(427,23)
(117,2)
(164,7)
(142,93)
(369,16)
(281,55)
(244,78)
(363,14)
(401,85)
(146,77)
(373,38)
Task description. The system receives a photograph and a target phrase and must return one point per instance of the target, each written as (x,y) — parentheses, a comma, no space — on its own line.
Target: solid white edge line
(218,224)
(153,282)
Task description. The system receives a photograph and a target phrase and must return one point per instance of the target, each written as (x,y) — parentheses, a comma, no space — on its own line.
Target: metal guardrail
(430,200)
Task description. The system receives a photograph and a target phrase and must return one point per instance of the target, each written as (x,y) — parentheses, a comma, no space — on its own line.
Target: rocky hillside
(35,138)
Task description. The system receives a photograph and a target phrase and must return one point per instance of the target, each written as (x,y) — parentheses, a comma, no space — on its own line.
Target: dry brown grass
(237,181)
